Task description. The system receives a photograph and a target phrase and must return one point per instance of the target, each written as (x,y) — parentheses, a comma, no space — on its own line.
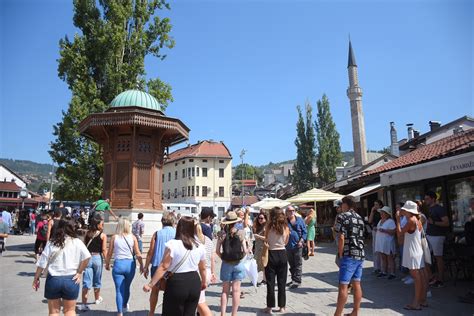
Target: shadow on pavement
(26,274)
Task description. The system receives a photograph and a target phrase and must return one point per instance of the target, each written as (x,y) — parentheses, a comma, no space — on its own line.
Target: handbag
(265,254)
(168,274)
(425,247)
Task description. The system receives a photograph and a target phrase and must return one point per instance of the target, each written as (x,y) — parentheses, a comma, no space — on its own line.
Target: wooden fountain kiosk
(134,135)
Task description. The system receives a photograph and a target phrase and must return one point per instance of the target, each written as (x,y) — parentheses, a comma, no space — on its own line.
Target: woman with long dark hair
(277,234)
(96,243)
(66,257)
(183,257)
(259,234)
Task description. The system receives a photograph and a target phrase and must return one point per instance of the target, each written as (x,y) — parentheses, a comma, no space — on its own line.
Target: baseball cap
(206,212)
(337,203)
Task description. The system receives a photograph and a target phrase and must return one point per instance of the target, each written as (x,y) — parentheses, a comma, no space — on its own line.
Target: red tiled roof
(249,183)
(9,186)
(237,200)
(448,146)
(202,149)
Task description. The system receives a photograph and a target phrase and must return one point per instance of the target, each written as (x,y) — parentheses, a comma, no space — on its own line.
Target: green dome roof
(136,98)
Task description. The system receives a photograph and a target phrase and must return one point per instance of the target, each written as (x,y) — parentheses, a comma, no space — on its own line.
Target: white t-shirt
(66,262)
(177,252)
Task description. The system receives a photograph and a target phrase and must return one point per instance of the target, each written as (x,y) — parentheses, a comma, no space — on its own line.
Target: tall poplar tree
(105,58)
(328,149)
(303,178)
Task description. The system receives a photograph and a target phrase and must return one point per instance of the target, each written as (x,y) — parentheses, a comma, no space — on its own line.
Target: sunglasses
(261,218)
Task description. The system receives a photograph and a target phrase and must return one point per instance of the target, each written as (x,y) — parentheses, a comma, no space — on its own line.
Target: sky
(240,68)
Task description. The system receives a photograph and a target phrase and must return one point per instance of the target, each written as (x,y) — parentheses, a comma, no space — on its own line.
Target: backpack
(232,248)
(44,230)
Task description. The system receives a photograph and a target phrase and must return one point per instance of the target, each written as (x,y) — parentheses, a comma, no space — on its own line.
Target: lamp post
(51,187)
(242,154)
(23,196)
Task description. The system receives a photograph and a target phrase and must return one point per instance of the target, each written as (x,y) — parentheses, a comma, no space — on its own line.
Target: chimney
(410,131)
(416,133)
(394,148)
(434,125)
(457,130)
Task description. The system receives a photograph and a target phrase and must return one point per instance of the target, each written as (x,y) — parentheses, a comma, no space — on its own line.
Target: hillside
(35,174)
(346,156)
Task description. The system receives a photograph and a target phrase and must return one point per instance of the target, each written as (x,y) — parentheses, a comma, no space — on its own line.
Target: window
(192,171)
(221,191)
(197,171)
(183,162)
(192,190)
(175,164)
(189,173)
(221,173)
(204,172)
(176,175)
(175,193)
(460,191)
(204,160)
(169,194)
(169,176)
(191,160)
(204,191)
(184,173)
(189,191)
(183,191)
(221,161)
(197,190)
(163,178)
(163,194)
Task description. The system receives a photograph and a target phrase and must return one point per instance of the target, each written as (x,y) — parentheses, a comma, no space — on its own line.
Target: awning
(357,194)
(314,195)
(269,203)
(433,169)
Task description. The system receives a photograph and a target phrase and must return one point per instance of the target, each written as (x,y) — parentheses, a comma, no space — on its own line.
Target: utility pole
(51,186)
(242,154)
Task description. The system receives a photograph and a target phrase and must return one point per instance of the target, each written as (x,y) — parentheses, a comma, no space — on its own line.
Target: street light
(242,154)
(51,187)
(23,196)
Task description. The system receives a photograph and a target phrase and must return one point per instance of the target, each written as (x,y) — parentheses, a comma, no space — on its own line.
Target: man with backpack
(231,248)
(294,248)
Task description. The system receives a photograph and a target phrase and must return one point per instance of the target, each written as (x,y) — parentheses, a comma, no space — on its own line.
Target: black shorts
(39,246)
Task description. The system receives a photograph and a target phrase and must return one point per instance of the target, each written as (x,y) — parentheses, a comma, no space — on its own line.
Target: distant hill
(36,174)
(346,156)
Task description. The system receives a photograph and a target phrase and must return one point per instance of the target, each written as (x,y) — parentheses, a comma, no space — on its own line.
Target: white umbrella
(314,195)
(269,203)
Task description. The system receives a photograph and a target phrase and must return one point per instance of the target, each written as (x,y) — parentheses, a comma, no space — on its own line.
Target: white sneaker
(409,281)
(100,300)
(126,308)
(428,294)
(83,307)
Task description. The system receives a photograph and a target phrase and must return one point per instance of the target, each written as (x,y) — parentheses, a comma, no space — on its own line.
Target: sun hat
(410,207)
(385,209)
(230,218)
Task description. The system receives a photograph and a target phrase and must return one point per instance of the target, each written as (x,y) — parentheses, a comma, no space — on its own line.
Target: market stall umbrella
(314,195)
(269,203)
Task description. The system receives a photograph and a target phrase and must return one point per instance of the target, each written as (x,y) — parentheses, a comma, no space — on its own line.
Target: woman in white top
(413,252)
(183,256)
(385,242)
(124,248)
(66,257)
(203,308)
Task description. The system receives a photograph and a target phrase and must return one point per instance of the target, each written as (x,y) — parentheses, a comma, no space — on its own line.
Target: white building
(199,174)
(7,175)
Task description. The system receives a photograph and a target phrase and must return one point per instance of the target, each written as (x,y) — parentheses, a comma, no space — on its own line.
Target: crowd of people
(181,260)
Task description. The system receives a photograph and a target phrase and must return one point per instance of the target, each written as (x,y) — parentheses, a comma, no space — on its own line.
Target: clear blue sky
(239,69)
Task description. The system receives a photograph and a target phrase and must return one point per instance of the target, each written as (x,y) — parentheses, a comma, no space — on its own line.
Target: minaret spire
(354,93)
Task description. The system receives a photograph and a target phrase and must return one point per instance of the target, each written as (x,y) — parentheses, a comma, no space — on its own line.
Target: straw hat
(410,207)
(230,218)
(386,209)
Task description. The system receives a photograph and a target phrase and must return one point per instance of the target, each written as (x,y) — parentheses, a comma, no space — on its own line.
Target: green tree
(104,59)
(247,172)
(303,177)
(328,149)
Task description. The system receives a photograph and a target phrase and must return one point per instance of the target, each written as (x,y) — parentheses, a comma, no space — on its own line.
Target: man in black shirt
(350,227)
(438,227)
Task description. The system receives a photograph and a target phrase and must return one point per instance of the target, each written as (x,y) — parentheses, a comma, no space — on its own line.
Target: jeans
(140,245)
(295,260)
(33,227)
(93,273)
(277,266)
(123,273)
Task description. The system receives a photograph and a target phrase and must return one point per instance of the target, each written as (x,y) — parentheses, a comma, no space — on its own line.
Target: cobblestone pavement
(316,296)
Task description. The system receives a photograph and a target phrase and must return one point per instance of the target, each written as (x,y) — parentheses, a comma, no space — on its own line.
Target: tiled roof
(201,149)
(449,146)
(9,186)
(249,183)
(237,200)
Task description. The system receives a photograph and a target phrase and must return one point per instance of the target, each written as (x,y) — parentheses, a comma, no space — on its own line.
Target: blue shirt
(7,218)
(297,233)
(206,230)
(162,237)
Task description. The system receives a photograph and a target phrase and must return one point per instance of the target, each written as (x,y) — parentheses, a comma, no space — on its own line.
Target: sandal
(411,308)
(267,310)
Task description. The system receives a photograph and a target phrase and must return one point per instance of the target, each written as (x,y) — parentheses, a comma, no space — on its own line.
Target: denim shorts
(232,271)
(61,287)
(350,270)
(92,277)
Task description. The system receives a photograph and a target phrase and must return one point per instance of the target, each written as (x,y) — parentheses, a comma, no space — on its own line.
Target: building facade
(199,174)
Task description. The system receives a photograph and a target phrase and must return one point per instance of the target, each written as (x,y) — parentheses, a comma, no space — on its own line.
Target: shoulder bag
(133,252)
(425,247)
(168,274)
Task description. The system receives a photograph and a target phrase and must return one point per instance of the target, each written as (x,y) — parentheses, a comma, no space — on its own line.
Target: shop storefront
(451,178)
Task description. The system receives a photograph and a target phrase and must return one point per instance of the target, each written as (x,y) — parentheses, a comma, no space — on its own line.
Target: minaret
(394,148)
(354,93)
